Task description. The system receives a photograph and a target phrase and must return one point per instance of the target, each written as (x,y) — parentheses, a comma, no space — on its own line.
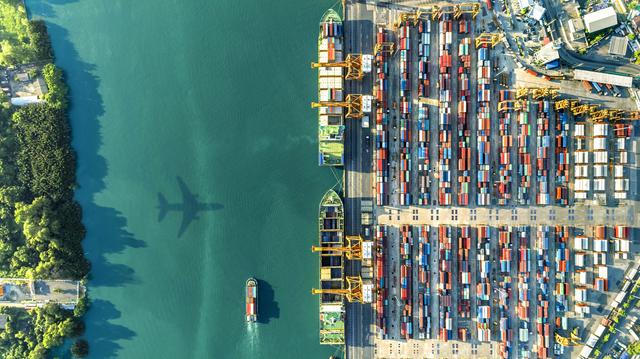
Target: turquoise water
(217,93)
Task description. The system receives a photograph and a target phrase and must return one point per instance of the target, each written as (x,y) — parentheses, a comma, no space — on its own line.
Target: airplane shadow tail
(163,207)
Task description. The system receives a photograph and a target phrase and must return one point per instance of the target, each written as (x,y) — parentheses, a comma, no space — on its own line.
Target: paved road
(358,151)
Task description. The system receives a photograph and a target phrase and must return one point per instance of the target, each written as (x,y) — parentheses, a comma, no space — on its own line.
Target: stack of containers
(562,275)
(445,332)
(506,141)
(601,160)
(424,194)
(424,255)
(524,157)
(543,235)
(562,158)
(382,122)
(464,146)
(483,289)
(505,243)
(621,241)
(444,112)
(406,250)
(600,249)
(404,172)
(424,28)
(424,42)
(543,142)
(484,126)
(524,267)
(582,182)
(580,246)
(464,273)
(622,132)
(381,285)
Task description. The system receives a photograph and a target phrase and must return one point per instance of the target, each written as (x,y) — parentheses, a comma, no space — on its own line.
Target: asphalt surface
(358,153)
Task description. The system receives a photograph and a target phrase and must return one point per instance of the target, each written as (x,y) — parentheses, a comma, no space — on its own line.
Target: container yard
(503,217)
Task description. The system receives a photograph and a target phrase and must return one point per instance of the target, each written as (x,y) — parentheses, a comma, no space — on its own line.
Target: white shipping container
(580,195)
(600,157)
(600,171)
(624,159)
(621,184)
(599,185)
(621,144)
(620,195)
(581,171)
(582,184)
(581,243)
(618,171)
(580,258)
(600,143)
(581,157)
(579,129)
(601,129)
(603,272)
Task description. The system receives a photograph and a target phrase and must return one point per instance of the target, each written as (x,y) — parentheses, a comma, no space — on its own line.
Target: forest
(40,222)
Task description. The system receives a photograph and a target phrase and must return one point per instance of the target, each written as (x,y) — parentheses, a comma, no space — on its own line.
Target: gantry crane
(381,47)
(353,104)
(353,291)
(563,104)
(522,93)
(508,105)
(488,39)
(467,8)
(580,109)
(353,249)
(353,64)
(407,16)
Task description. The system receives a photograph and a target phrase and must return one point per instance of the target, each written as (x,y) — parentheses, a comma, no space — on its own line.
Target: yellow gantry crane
(353,105)
(353,249)
(467,8)
(488,39)
(353,64)
(537,93)
(382,47)
(353,291)
(508,105)
(414,17)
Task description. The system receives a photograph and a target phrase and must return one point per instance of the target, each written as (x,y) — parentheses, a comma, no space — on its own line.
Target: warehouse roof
(624,81)
(600,19)
(618,46)
(538,12)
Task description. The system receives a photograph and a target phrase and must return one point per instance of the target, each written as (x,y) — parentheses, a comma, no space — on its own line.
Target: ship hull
(330,88)
(331,227)
(251,300)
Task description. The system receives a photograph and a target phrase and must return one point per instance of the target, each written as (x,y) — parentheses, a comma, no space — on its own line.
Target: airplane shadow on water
(190,207)
(267,306)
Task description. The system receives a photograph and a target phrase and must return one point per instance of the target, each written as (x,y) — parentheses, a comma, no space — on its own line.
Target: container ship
(331,223)
(251,300)
(330,89)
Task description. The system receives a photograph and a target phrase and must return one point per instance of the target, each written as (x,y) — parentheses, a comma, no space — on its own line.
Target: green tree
(80,348)
(634,348)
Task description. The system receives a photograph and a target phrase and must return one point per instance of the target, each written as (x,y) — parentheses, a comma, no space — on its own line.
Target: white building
(601,19)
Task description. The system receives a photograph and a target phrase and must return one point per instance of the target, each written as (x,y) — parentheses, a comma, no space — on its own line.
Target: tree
(634,348)
(80,348)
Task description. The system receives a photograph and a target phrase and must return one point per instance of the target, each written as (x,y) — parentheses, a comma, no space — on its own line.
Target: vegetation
(40,222)
(634,348)
(22,41)
(631,36)
(31,335)
(80,348)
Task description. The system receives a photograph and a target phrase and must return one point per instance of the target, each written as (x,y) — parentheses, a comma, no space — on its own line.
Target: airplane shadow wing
(186,220)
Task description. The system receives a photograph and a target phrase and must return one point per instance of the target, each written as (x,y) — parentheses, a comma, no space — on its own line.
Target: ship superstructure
(331,226)
(330,89)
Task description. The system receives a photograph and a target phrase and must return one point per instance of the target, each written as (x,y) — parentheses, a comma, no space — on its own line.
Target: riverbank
(41,226)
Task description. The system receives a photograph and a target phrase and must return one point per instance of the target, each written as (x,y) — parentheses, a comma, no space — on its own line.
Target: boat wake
(251,341)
